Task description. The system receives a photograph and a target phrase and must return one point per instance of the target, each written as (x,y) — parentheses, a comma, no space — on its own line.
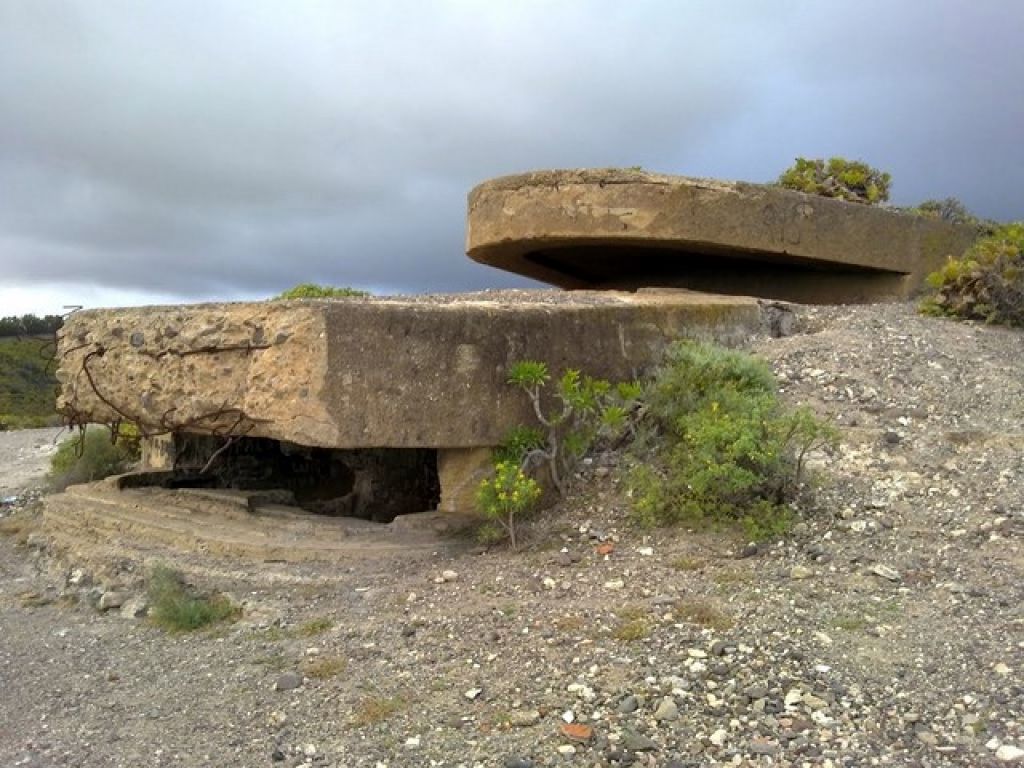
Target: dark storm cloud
(235,148)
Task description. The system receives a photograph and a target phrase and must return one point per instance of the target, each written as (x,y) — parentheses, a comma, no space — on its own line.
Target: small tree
(585,409)
(849,180)
(506,497)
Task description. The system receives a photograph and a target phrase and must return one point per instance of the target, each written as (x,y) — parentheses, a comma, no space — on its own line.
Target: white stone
(614,584)
(886,572)
(472,693)
(1008,753)
(667,710)
(113,599)
(134,607)
(718,737)
(566,749)
(585,692)
(524,719)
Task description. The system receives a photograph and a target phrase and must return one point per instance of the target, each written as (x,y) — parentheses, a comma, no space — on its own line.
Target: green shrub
(314,291)
(986,283)
(175,608)
(849,180)
(91,456)
(726,450)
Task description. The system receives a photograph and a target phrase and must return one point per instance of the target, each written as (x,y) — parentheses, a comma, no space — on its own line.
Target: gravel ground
(25,457)
(886,630)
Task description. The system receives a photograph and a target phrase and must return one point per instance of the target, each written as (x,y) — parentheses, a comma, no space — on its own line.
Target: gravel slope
(887,630)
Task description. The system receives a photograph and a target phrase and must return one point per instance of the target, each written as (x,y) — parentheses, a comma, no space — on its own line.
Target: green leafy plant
(986,283)
(726,450)
(505,498)
(176,608)
(519,442)
(92,455)
(584,409)
(314,291)
(850,180)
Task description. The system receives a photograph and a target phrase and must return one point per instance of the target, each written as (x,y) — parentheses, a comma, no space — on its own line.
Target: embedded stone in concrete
(413,372)
(628,229)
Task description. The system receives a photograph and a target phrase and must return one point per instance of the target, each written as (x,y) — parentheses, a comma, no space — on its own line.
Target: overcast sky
(197,149)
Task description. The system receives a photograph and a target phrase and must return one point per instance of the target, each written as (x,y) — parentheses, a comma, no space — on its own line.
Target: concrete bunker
(294,401)
(627,229)
(362,407)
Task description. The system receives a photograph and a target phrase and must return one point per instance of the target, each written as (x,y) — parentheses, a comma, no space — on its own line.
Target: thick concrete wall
(626,229)
(364,373)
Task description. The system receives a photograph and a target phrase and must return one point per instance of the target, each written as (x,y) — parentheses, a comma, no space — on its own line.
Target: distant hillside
(29,325)
(27,383)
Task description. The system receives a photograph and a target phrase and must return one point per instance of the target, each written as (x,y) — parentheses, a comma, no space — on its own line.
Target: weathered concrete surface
(98,522)
(627,229)
(365,373)
(460,471)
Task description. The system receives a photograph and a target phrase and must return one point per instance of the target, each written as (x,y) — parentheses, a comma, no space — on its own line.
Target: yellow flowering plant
(506,496)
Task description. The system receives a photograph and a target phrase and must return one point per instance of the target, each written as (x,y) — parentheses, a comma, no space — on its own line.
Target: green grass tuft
(176,608)
(376,709)
(315,627)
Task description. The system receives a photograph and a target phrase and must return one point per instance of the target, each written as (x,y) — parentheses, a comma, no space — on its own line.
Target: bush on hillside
(314,291)
(30,325)
(27,384)
(986,283)
(849,180)
(91,456)
(725,449)
(952,210)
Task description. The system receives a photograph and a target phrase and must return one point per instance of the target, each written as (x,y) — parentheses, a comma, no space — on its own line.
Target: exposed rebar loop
(241,423)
